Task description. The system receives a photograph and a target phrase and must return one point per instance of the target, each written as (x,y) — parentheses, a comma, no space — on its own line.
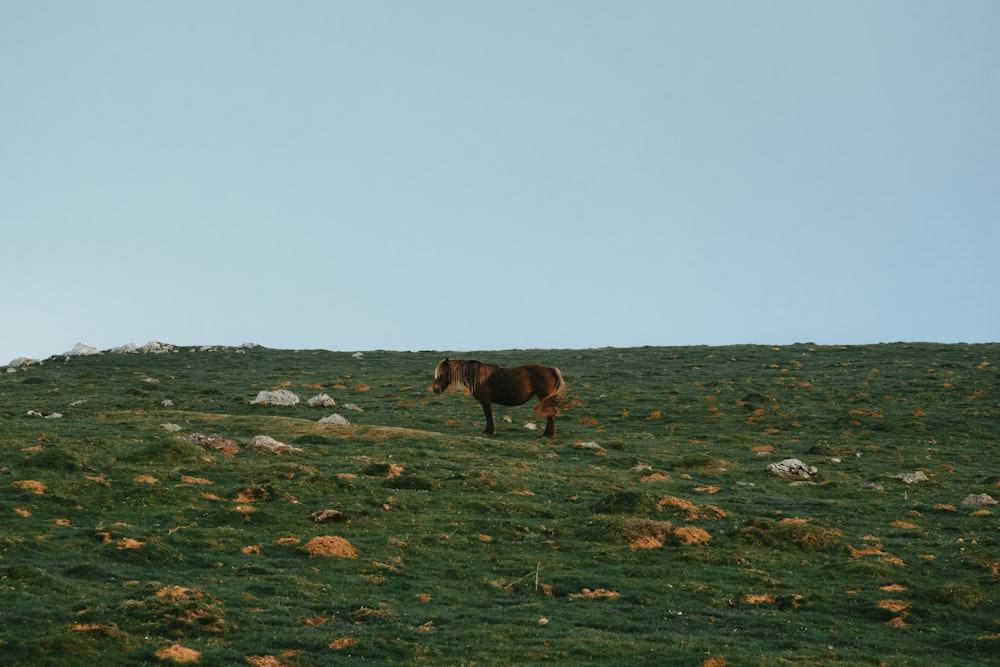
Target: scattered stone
(793,470)
(358,355)
(212,441)
(912,477)
(44,415)
(128,348)
(335,419)
(277,397)
(641,468)
(321,400)
(265,443)
(167,403)
(531,426)
(172,427)
(593,446)
(356,408)
(978,500)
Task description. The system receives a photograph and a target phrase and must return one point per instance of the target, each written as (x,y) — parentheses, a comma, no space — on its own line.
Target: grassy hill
(648,532)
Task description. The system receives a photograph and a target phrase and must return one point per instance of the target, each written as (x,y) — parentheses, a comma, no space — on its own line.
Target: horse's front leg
(488,411)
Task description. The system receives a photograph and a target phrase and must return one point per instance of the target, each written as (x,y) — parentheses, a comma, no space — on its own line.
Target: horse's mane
(467,372)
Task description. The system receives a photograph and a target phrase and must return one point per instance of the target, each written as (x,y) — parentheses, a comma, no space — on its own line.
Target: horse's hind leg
(547,409)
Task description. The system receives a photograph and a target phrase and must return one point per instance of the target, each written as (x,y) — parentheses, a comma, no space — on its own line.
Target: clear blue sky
(455,175)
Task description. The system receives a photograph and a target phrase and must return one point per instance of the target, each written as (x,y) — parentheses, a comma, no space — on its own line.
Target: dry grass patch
(178,653)
(34,486)
(330,545)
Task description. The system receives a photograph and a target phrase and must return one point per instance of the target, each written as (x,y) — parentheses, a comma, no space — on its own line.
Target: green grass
(670,544)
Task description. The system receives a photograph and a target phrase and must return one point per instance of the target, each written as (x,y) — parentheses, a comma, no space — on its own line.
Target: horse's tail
(548,405)
(560,388)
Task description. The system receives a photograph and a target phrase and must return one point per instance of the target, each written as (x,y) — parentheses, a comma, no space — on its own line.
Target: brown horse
(490,383)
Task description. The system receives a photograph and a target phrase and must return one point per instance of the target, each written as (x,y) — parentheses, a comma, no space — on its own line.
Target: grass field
(649,532)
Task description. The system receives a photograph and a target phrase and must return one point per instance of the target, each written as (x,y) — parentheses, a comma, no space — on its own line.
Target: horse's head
(442,376)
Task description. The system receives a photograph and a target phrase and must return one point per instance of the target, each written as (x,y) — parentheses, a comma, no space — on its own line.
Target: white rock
(321,400)
(171,427)
(358,355)
(277,397)
(22,361)
(81,350)
(912,477)
(265,443)
(531,426)
(793,469)
(157,347)
(335,419)
(46,415)
(128,348)
(978,500)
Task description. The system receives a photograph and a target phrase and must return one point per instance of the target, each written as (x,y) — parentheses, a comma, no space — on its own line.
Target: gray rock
(336,420)
(265,443)
(277,397)
(793,470)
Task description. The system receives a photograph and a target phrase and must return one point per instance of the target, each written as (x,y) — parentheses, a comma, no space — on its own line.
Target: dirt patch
(178,594)
(895,606)
(36,487)
(130,543)
(750,598)
(646,542)
(692,535)
(867,551)
(893,587)
(342,643)
(98,629)
(595,594)
(178,653)
(264,661)
(330,545)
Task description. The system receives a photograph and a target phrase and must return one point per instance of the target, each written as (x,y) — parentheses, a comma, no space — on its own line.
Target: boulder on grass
(277,397)
(793,470)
